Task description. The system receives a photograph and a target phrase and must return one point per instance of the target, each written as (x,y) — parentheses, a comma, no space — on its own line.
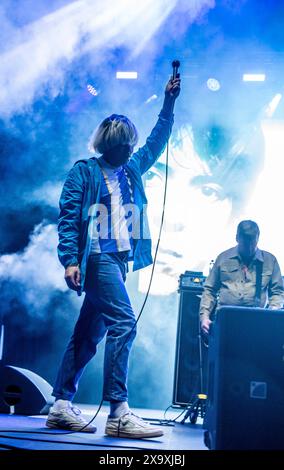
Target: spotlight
(213,84)
(91,89)
(254,77)
(127,75)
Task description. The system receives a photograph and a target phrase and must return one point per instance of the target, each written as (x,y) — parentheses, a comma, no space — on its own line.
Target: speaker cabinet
(26,391)
(245,405)
(190,375)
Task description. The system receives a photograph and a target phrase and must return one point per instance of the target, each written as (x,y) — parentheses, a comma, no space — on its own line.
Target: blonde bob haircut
(114,130)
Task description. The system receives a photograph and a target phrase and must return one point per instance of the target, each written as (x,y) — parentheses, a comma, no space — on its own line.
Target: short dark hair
(248,228)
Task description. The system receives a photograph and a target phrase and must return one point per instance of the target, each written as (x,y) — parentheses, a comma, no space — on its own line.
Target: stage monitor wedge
(25,391)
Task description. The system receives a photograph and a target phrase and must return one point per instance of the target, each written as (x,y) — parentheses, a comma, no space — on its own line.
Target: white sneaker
(68,418)
(131,426)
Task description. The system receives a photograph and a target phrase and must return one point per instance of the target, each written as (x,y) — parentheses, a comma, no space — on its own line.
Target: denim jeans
(106,310)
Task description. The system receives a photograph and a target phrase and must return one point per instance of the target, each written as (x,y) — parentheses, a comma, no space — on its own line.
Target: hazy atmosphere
(58,62)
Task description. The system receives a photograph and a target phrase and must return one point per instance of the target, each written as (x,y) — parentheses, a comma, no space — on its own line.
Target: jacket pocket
(229,272)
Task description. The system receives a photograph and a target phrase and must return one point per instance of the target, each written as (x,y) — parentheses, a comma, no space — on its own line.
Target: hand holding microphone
(175,65)
(173,86)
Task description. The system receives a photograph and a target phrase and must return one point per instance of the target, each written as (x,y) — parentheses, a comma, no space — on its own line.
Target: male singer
(95,242)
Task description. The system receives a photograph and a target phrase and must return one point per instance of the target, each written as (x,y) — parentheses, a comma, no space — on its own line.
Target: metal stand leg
(196,409)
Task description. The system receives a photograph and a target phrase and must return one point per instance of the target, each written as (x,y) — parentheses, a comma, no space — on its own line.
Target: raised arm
(146,156)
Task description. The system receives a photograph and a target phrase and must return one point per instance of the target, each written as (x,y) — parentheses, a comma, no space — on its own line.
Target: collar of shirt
(257,256)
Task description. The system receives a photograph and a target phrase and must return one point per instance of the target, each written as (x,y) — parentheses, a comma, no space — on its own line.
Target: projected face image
(208,174)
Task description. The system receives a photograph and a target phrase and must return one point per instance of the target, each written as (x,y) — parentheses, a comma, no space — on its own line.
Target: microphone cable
(175,65)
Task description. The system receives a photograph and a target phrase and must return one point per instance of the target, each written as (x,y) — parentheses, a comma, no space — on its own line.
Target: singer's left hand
(173,88)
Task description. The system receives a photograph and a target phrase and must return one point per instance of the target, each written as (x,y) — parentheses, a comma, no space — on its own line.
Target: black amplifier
(190,375)
(191,279)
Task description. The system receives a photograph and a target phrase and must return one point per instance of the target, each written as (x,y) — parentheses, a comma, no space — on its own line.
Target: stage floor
(30,433)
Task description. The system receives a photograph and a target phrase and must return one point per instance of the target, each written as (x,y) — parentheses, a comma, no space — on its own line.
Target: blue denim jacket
(82,189)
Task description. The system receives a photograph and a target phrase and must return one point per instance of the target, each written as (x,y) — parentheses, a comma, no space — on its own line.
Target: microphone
(175,65)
